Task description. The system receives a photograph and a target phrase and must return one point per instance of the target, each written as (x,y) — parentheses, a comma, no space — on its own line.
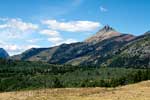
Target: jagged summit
(107,28)
(104,33)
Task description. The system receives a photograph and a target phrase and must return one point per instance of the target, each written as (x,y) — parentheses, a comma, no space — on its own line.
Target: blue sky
(45,23)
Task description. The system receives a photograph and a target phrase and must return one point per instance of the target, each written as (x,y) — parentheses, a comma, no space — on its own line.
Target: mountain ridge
(3,53)
(105,33)
(134,54)
(81,53)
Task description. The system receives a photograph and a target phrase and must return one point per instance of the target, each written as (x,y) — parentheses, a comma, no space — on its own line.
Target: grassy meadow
(138,91)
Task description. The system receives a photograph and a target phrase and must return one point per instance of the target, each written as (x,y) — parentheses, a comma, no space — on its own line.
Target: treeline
(19,75)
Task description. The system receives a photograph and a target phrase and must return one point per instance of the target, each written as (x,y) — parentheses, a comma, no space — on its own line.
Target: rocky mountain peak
(105,33)
(106,28)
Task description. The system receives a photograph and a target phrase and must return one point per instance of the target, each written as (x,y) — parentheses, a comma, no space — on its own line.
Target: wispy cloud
(103,9)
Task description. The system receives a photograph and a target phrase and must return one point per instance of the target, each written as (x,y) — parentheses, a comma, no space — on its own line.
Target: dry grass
(140,91)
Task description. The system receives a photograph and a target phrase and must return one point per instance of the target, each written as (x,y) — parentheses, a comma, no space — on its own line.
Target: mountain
(134,54)
(105,33)
(101,50)
(148,32)
(93,51)
(28,54)
(3,53)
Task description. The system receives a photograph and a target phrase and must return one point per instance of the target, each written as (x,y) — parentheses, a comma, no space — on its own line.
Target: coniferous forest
(25,75)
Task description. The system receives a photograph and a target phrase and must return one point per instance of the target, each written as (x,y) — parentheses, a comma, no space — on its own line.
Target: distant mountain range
(3,53)
(107,47)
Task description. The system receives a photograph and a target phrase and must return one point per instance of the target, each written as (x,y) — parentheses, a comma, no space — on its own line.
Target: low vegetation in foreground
(139,91)
(19,75)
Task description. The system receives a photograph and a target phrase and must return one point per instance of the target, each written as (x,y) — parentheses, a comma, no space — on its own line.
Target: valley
(74,50)
(107,59)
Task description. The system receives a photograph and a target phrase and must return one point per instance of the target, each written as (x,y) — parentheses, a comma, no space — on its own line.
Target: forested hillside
(19,75)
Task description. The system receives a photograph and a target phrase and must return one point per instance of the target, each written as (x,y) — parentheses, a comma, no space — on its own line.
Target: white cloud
(15,28)
(103,9)
(50,32)
(2,42)
(13,49)
(72,26)
(3,26)
(55,37)
(18,24)
(15,31)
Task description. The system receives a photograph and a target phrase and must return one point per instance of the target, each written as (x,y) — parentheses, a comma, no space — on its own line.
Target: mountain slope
(92,51)
(3,53)
(100,51)
(34,54)
(134,54)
